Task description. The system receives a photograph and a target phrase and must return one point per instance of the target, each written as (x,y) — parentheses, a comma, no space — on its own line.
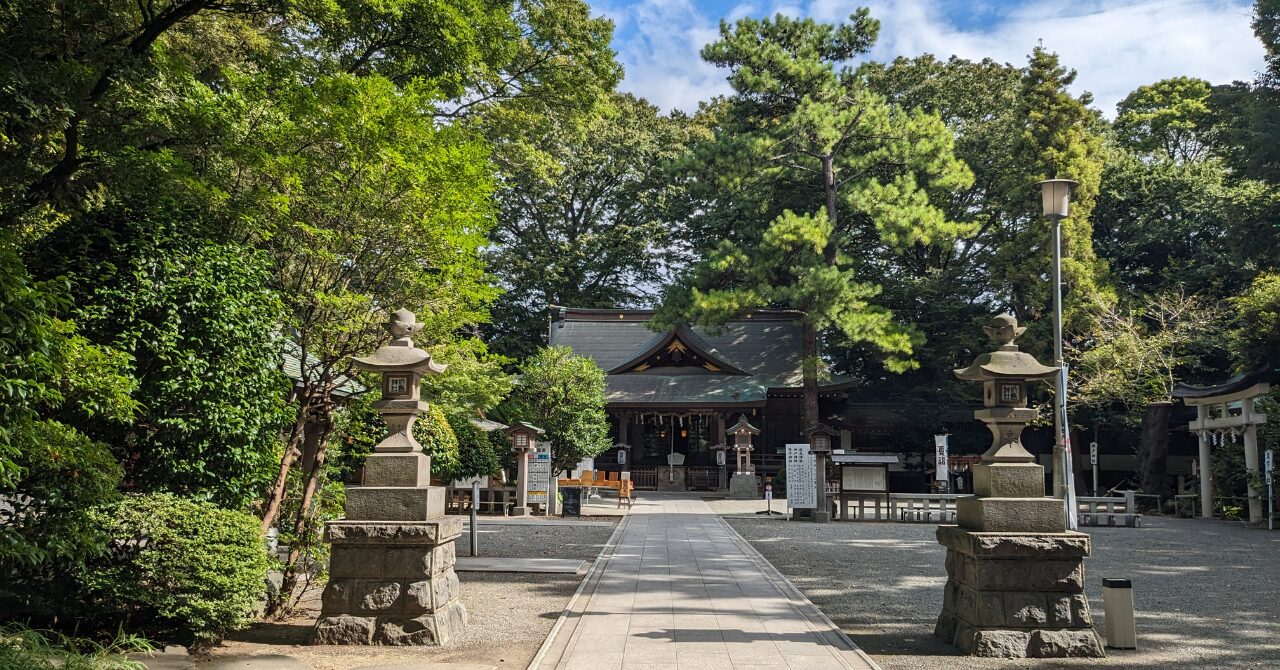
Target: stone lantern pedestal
(391,577)
(1015,575)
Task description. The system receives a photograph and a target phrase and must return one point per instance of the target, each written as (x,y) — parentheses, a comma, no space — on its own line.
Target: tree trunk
(810,367)
(1153,450)
(829,187)
(292,450)
(315,447)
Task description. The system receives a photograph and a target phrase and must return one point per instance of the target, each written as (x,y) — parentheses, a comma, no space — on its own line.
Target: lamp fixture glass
(1055,197)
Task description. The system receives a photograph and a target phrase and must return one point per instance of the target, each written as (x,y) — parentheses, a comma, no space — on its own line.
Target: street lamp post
(1055,197)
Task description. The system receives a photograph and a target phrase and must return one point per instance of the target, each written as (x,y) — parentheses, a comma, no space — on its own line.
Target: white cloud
(1115,45)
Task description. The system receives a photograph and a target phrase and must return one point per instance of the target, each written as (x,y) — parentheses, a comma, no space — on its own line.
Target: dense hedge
(178,570)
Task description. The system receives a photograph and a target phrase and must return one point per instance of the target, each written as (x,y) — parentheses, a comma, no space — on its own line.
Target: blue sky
(1115,45)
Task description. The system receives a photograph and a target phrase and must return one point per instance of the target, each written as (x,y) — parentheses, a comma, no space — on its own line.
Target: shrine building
(671,395)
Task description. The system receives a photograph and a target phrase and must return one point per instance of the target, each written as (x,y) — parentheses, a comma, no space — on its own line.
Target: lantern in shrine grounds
(820,438)
(391,577)
(744,484)
(1015,574)
(523,437)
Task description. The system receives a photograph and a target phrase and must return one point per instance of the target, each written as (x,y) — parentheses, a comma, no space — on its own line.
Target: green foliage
(584,205)
(1058,139)
(23,648)
(1164,225)
(812,184)
(201,326)
(477,456)
(433,431)
(50,472)
(564,395)
(178,569)
(1171,117)
(1137,354)
(1257,334)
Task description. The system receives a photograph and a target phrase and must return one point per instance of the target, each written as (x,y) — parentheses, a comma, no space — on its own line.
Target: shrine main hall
(671,395)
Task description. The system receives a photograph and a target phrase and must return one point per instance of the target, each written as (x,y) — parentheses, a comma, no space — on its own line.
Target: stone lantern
(1015,575)
(391,577)
(820,435)
(523,438)
(744,485)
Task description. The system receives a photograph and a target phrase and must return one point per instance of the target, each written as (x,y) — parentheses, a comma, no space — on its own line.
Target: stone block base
(744,486)
(1016,595)
(432,629)
(1011,515)
(391,583)
(395,503)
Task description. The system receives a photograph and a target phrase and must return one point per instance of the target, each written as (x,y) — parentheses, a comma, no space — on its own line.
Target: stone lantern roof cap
(1007,362)
(743,428)
(523,427)
(400,355)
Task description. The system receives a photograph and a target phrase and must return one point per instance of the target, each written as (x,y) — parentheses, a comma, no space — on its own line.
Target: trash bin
(1117,607)
(572,501)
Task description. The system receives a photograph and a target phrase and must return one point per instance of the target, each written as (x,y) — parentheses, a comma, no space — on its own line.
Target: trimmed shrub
(476,454)
(178,570)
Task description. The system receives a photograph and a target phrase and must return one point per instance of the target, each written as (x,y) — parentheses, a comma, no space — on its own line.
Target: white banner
(942,470)
(802,477)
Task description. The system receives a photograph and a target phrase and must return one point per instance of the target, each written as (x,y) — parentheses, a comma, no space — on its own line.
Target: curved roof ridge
(691,340)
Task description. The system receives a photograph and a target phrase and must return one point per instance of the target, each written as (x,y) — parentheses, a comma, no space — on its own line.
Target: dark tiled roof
(1235,384)
(767,347)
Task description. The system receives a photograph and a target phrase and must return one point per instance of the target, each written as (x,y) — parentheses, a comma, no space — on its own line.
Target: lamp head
(1055,197)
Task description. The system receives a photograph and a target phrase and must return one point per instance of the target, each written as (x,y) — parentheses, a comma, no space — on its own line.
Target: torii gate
(1214,417)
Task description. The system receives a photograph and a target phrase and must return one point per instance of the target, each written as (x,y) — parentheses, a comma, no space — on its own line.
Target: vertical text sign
(802,477)
(540,473)
(941,470)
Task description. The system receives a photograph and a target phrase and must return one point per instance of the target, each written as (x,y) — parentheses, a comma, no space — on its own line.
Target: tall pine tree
(826,170)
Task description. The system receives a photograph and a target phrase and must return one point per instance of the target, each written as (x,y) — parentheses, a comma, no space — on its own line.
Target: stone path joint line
(680,591)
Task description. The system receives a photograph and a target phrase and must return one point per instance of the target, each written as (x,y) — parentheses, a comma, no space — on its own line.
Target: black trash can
(571,504)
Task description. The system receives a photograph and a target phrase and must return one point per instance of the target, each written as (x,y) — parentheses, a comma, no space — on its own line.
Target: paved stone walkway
(681,590)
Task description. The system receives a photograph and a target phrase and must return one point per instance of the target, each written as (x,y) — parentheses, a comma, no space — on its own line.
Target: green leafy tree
(477,456)
(1257,334)
(1172,117)
(50,472)
(563,394)
(583,206)
(837,170)
(1163,225)
(201,325)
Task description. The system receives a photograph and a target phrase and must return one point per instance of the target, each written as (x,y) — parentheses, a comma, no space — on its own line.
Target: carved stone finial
(1004,329)
(402,324)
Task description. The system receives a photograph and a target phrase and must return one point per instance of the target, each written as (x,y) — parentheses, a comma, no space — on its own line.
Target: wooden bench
(603,480)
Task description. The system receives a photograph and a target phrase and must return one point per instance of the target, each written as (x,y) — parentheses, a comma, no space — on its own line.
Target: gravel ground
(539,540)
(510,613)
(1207,593)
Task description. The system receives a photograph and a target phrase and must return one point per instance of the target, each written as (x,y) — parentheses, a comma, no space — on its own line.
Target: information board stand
(802,478)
